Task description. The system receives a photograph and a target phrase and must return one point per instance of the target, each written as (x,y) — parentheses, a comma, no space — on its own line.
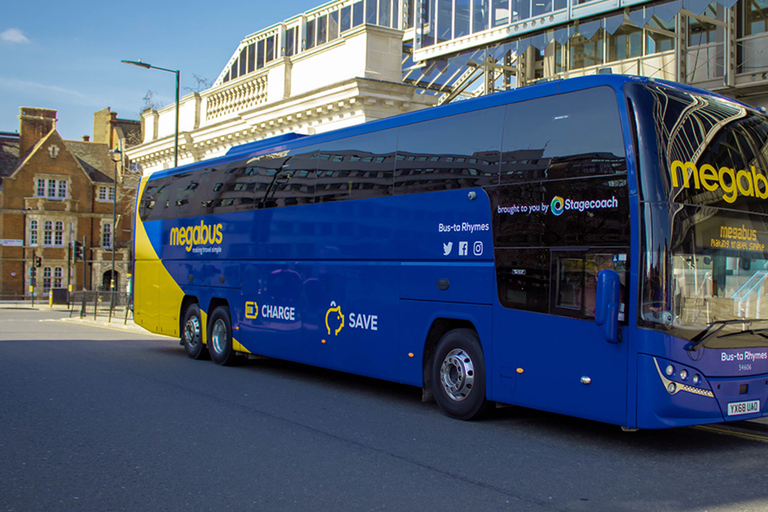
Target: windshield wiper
(707,333)
(759,332)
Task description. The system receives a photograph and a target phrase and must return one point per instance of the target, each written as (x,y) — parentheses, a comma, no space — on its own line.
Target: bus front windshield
(704,203)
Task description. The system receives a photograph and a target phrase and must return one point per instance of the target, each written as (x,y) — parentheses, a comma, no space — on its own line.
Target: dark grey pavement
(96,418)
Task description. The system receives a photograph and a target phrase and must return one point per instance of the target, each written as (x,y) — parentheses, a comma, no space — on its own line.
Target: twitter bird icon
(447,248)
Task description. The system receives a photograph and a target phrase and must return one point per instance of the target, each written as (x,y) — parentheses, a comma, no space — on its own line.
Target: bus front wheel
(458,375)
(192,333)
(220,338)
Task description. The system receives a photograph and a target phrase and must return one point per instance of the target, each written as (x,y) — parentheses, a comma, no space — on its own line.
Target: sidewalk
(118,320)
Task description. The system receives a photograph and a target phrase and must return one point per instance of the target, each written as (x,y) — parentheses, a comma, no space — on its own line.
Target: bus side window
(357,168)
(575,286)
(442,154)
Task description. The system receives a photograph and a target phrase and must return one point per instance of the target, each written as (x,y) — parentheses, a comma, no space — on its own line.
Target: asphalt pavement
(127,324)
(98,416)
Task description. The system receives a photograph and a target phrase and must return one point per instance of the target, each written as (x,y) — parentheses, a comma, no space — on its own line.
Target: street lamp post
(176,134)
(115,154)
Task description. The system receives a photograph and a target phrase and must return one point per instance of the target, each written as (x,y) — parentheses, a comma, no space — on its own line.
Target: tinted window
(569,135)
(562,208)
(450,153)
(592,212)
(709,152)
(523,278)
(356,168)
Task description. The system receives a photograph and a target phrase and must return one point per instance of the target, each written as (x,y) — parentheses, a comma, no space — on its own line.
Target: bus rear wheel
(458,375)
(192,333)
(220,337)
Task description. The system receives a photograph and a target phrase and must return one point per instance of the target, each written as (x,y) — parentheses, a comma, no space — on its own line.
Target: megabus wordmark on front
(201,234)
(730,181)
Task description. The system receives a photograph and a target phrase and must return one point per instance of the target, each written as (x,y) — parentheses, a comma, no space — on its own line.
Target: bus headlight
(683,374)
(671,387)
(669,370)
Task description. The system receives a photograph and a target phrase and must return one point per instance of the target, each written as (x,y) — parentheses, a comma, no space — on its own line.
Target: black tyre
(192,333)
(458,375)
(220,336)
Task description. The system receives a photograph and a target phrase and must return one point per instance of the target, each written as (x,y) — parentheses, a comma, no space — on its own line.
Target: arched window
(58,277)
(32,232)
(59,235)
(46,279)
(48,232)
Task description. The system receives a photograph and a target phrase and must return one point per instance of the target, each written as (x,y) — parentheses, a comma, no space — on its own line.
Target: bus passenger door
(559,360)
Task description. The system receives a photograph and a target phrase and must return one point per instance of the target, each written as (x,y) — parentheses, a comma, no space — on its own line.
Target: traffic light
(38,262)
(78,250)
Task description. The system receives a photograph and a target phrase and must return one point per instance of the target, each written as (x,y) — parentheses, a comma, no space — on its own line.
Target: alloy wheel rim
(457,374)
(219,336)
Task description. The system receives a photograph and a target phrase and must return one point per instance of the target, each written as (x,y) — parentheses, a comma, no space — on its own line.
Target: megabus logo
(202,234)
(731,182)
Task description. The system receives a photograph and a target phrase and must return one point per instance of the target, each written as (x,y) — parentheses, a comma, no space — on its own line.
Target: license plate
(736,408)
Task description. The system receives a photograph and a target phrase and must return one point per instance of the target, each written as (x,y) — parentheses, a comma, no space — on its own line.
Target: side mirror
(607,304)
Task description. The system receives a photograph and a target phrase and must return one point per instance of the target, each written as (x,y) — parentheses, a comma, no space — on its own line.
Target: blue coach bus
(592,247)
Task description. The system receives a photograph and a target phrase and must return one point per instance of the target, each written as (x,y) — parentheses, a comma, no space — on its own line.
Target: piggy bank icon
(334,319)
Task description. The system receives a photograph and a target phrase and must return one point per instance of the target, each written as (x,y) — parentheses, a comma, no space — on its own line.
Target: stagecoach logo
(559,205)
(556,205)
(199,235)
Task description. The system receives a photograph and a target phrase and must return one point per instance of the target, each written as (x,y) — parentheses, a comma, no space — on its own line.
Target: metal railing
(97,303)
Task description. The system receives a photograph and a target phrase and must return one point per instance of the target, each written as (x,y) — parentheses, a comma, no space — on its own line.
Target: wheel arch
(185,303)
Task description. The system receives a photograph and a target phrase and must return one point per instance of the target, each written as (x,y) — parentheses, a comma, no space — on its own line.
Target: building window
(46,279)
(585,53)
(59,234)
(58,277)
(106,193)
(48,233)
(755,17)
(32,232)
(106,236)
(659,35)
(625,43)
(51,189)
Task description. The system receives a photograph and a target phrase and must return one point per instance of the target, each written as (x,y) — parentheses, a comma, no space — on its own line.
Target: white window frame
(58,235)
(107,235)
(48,233)
(33,232)
(51,188)
(106,193)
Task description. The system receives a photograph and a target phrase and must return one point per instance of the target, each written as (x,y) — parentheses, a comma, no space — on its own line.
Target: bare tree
(202,84)
(149,101)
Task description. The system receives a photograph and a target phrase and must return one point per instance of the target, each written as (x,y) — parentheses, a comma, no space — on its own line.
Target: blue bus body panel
(539,361)
(291,274)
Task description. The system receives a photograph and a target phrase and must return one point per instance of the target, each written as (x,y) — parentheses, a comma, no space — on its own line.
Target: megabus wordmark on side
(730,181)
(201,234)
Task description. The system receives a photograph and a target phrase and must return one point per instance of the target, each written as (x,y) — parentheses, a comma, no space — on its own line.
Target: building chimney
(86,138)
(35,124)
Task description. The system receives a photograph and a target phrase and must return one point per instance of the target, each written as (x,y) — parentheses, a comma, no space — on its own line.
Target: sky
(66,56)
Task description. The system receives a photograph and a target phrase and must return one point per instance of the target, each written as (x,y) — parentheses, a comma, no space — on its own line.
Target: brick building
(53,192)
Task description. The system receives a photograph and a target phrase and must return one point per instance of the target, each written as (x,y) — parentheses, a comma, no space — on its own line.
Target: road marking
(763,438)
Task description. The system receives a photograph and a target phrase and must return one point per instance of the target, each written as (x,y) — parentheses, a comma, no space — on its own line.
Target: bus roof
(289,141)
